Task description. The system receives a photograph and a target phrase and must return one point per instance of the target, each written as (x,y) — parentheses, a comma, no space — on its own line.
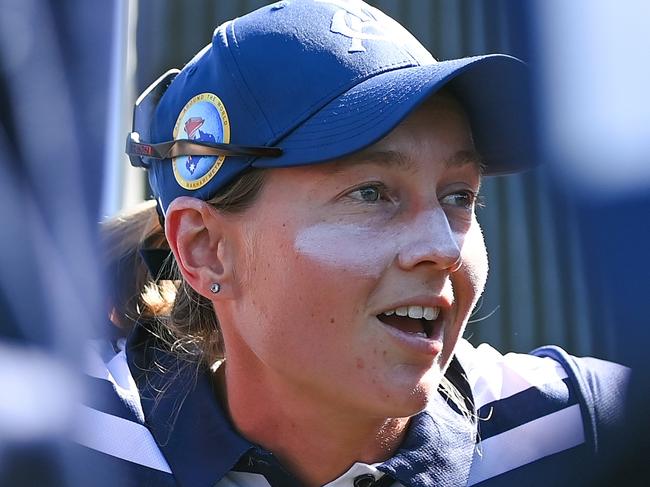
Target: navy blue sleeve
(601,389)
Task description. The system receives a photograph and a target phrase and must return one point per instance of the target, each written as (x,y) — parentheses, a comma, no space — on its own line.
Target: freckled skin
(300,321)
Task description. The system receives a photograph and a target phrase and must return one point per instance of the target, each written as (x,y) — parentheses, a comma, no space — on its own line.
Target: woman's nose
(430,239)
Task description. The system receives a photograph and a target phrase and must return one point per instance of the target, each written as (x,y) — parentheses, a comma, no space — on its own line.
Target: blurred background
(568,242)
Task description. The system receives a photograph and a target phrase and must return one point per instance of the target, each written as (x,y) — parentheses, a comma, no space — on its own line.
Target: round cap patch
(203,119)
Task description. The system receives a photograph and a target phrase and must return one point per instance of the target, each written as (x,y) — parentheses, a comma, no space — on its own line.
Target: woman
(317,173)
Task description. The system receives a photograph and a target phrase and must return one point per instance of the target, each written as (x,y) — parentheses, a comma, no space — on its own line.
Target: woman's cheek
(353,248)
(475,261)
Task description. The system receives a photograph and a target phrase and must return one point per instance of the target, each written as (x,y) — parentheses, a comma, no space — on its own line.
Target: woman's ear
(196,232)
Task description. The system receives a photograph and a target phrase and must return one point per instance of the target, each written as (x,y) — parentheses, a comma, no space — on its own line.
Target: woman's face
(335,252)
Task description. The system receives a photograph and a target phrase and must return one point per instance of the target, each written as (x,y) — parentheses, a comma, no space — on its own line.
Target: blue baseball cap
(306,81)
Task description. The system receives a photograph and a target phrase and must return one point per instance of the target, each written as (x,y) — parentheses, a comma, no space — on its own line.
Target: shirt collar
(182,412)
(201,446)
(439,445)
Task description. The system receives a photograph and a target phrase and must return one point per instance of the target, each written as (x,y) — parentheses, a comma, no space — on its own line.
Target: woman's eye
(369,194)
(461,199)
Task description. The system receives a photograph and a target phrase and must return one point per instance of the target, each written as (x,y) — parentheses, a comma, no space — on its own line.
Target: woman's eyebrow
(379,157)
(463,157)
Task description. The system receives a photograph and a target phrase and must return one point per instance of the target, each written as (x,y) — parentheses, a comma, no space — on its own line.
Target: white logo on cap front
(354,16)
(203,119)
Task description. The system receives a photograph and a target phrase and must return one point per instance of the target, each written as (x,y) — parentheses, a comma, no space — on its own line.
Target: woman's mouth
(422,323)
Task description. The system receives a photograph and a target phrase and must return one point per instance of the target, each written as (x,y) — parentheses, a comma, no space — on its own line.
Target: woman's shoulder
(545,408)
(548,373)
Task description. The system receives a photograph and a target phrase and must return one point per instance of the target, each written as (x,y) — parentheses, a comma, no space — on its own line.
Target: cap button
(365,480)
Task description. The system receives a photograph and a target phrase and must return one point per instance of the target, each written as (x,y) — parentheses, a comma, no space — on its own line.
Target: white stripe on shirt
(493,376)
(527,443)
(118,437)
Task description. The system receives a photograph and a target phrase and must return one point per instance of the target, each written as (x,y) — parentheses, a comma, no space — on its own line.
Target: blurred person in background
(54,93)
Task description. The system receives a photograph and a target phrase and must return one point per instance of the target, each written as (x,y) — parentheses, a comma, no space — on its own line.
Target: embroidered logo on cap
(353,17)
(203,119)
(360,22)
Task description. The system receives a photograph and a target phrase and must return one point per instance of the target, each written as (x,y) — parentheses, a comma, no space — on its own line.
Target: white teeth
(402,311)
(431,314)
(415,312)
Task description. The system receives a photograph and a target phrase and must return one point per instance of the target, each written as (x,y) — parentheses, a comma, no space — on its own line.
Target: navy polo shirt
(537,416)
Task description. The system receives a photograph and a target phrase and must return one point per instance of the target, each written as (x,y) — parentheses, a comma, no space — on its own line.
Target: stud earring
(215,287)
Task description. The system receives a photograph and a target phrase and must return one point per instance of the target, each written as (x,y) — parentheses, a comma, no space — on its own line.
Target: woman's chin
(405,400)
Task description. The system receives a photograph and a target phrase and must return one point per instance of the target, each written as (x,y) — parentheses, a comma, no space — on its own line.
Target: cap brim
(493,90)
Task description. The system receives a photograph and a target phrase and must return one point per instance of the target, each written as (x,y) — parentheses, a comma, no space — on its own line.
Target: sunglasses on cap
(140,152)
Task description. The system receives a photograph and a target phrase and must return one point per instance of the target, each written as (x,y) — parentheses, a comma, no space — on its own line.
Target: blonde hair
(121,238)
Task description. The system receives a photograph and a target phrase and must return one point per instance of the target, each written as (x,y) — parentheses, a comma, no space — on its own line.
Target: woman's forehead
(402,160)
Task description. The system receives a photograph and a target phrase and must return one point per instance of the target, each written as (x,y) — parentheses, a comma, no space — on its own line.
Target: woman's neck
(310,436)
